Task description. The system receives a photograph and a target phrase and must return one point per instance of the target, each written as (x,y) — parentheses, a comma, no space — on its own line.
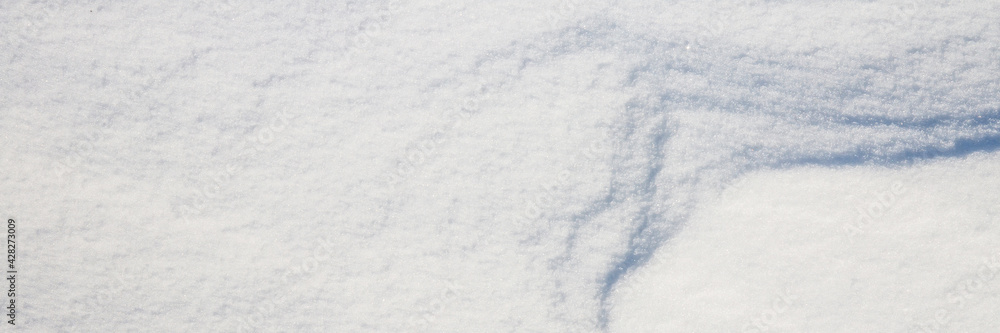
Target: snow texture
(510,166)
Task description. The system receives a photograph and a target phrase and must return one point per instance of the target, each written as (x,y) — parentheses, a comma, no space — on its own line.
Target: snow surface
(830,250)
(511,166)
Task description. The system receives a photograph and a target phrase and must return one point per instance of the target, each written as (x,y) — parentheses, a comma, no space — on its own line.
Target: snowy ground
(831,250)
(511,166)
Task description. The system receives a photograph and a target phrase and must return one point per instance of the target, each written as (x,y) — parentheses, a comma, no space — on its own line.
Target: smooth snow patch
(830,250)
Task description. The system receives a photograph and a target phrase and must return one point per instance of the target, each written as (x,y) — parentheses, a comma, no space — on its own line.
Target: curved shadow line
(644,241)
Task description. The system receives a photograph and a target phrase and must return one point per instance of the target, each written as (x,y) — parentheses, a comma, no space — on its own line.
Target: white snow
(830,250)
(512,166)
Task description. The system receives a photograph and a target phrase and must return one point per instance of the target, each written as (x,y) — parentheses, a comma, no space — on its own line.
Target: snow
(830,250)
(507,166)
